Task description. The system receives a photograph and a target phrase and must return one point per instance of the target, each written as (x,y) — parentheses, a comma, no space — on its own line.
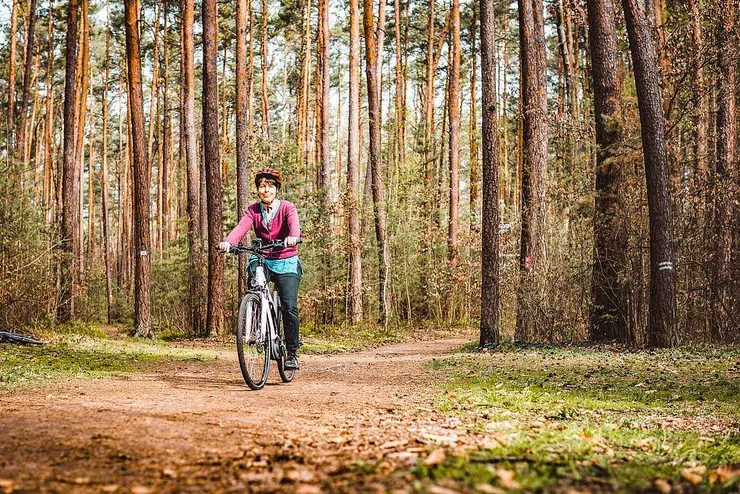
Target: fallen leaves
(436,457)
(662,486)
(506,478)
(725,473)
(694,474)
(7,486)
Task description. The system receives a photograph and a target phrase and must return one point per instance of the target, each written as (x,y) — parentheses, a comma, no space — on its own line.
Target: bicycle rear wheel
(286,375)
(252,343)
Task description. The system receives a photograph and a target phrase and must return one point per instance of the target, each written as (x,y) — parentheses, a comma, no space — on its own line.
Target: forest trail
(349,422)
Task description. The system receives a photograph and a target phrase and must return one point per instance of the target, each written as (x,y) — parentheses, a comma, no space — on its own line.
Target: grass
(594,419)
(83,350)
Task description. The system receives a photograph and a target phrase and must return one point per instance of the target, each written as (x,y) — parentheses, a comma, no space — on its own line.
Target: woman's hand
(291,241)
(224,246)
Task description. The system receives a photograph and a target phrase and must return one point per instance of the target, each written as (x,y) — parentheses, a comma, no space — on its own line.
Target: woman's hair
(269,174)
(270,181)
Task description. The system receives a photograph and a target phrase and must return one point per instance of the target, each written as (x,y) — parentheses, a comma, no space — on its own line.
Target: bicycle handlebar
(259,248)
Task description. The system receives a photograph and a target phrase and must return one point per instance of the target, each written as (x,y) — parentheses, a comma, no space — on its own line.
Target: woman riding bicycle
(276,219)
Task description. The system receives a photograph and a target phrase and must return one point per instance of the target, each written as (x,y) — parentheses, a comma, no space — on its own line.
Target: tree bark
(11,75)
(353,168)
(725,195)
(192,170)
(608,318)
(30,30)
(263,61)
(104,194)
(375,160)
(212,160)
(530,321)
(49,163)
(324,83)
(70,247)
(242,126)
(489,332)
(453,109)
(141,178)
(473,130)
(662,308)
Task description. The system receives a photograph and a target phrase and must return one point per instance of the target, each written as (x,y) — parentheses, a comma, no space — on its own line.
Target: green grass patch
(606,420)
(71,354)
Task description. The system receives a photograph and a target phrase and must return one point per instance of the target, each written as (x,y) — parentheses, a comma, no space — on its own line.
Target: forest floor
(427,416)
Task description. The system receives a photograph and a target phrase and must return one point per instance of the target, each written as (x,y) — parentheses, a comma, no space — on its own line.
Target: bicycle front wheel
(252,342)
(286,375)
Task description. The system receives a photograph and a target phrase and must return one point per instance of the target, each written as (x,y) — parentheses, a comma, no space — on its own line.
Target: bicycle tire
(252,345)
(286,375)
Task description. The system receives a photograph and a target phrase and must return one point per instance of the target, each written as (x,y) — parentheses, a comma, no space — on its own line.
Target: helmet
(269,173)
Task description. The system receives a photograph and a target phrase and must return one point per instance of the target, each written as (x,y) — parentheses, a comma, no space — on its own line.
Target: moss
(593,418)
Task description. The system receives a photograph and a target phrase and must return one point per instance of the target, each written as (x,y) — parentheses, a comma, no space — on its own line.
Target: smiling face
(266,190)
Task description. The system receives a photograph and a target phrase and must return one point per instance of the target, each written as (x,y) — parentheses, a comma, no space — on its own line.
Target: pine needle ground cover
(595,419)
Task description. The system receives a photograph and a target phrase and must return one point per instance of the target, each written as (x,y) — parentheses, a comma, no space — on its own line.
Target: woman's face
(266,191)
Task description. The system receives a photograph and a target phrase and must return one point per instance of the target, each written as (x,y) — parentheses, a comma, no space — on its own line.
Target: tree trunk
(11,75)
(141,178)
(49,163)
(21,141)
(104,175)
(353,168)
(263,61)
(324,83)
(192,169)
(165,157)
(212,158)
(473,130)
(662,309)
(725,196)
(699,119)
(531,322)
(375,160)
(242,126)
(81,117)
(608,318)
(453,108)
(153,100)
(67,294)
(489,332)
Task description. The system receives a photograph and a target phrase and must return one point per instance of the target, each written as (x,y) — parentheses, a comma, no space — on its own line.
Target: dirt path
(350,422)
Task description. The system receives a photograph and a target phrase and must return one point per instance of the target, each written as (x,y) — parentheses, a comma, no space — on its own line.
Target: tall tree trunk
(662,309)
(725,196)
(21,141)
(67,294)
(242,125)
(153,100)
(489,332)
(353,168)
(699,119)
(11,76)
(104,174)
(192,169)
(141,178)
(165,158)
(263,61)
(49,163)
(453,109)
(212,160)
(324,82)
(375,160)
(608,318)
(81,117)
(530,321)
(473,130)
(399,102)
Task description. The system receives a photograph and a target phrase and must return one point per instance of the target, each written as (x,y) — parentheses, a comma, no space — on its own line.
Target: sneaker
(291,363)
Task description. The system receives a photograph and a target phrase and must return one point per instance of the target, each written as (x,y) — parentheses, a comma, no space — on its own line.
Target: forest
(546,171)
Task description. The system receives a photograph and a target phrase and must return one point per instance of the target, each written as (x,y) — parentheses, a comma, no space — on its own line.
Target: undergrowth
(594,419)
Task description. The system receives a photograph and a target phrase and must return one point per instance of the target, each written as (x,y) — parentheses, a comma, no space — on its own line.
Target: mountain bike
(260,336)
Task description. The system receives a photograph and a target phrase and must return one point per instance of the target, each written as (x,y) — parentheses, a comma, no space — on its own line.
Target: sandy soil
(348,423)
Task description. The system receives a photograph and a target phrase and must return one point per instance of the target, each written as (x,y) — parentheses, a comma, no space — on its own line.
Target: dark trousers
(287,288)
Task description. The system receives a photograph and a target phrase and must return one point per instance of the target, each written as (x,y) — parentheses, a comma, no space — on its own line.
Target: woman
(275,219)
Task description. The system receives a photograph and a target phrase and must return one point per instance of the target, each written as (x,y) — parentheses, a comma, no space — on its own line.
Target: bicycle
(260,336)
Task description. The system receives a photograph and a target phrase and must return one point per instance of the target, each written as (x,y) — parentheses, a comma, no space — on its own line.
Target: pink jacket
(284,224)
